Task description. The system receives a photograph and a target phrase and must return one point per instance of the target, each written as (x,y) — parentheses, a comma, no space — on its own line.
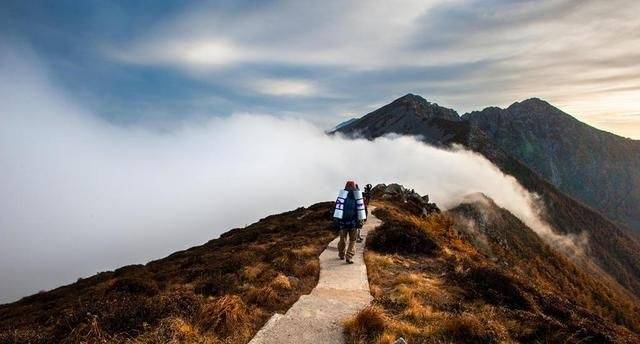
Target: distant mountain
(594,166)
(411,115)
(610,246)
(343,124)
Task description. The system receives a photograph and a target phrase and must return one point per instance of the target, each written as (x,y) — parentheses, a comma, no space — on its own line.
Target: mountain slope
(599,168)
(222,291)
(611,248)
(480,275)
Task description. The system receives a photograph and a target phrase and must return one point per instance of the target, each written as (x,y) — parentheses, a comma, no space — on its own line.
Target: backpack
(350,211)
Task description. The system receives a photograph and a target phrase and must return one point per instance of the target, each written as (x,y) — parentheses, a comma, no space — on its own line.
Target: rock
(418,204)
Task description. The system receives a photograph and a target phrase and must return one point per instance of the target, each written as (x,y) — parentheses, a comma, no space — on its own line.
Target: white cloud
(562,51)
(78,195)
(357,34)
(285,87)
(199,54)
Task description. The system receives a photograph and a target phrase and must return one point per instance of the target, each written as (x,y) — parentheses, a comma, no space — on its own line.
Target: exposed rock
(417,204)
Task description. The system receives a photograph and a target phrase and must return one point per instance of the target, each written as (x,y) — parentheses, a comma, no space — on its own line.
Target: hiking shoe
(341,258)
(349,261)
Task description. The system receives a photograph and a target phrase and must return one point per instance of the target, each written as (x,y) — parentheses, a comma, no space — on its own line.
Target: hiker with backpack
(367,197)
(349,215)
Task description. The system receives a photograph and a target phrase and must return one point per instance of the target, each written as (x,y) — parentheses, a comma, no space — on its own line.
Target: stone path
(343,290)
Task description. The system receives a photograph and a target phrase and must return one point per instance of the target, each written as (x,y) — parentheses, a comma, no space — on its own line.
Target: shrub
(469,329)
(496,287)
(401,237)
(134,285)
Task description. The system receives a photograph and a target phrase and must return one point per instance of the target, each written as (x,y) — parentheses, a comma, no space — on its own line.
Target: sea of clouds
(79,194)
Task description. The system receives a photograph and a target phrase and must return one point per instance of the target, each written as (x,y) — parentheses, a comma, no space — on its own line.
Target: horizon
(165,63)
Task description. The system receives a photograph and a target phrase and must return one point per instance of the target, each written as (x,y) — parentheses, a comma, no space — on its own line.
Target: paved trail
(343,290)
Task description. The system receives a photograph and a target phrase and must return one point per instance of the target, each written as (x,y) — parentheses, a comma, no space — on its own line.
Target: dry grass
(266,296)
(305,251)
(281,282)
(252,272)
(220,292)
(366,326)
(417,312)
(310,268)
(456,293)
(226,316)
(470,329)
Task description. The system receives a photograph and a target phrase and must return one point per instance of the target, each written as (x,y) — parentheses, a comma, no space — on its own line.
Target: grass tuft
(366,326)
(226,316)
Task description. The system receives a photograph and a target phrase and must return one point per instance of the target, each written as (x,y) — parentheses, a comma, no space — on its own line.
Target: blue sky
(143,62)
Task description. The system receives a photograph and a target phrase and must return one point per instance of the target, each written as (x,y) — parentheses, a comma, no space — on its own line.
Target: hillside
(477,274)
(599,168)
(610,247)
(474,273)
(222,291)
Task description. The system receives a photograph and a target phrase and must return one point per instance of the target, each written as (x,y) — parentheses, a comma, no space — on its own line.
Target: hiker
(367,196)
(359,237)
(349,214)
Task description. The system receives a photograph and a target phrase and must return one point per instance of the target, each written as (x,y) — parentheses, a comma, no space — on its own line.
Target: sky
(157,63)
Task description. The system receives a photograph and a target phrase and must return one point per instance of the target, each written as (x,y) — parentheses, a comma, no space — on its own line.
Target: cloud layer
(580,55)
(329,60)
(80,195)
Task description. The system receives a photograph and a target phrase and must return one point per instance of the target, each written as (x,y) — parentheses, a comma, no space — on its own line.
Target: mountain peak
(402,116)
(410,97)
(417,106)
(532,104)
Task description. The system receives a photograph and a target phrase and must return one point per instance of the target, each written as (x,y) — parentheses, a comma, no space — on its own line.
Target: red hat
(351,185)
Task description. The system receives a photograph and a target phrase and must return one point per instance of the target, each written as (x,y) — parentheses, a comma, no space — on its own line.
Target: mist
(79,195)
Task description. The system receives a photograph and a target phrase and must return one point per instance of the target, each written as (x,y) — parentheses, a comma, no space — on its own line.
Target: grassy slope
(221,291)
(480,275)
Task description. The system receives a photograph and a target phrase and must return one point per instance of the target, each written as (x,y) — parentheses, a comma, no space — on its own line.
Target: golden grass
(281,282)
(265,296)
(366,326)
(305,251)
(310,268)
(380,260)
(417,311)
(252,272)
(226,316)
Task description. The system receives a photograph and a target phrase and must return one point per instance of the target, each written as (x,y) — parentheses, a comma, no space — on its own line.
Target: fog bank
(79,195)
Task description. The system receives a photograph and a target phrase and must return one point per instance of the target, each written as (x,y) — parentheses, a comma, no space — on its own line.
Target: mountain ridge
(474,272)
(611,245)
(598,168)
